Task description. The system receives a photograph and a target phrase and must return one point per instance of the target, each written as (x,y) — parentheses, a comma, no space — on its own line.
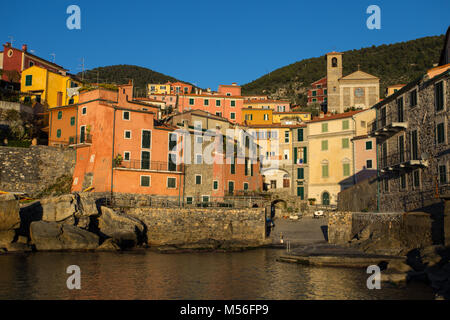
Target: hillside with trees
(121,74)
(395,63)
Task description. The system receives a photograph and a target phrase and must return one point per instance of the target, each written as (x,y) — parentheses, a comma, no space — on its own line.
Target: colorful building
(318,92)
(172,88)
(257,116)
(298,116)
(48,87)
(275,105)
(393,89)
(13,61)
(331,153)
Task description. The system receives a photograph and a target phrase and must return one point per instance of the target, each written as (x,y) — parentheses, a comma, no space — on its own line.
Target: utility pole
(54,56)
(82,69)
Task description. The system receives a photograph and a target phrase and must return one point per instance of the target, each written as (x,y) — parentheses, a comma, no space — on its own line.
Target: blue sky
(211,42)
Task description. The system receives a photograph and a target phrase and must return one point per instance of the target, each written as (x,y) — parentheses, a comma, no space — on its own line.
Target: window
(198,179)
(400,115)
(334,62)
(145,160)
(248,117)
(219,114)
(416,179)
(325,92)
(71,101)
(346,169)
(126,156)
(31,63)
(368,145)
(439,96)
(369,164)
(71,140)
(199,140)
(233,167)
(314,93)
(38,98)
(300,173)
(72,121)
(301,193)
(286,136)
(189,200)
(217,103)
(145,181)
(414,146)
(173,141)
(28,80)
(233,103)
(286,181)
(245,186)
(126,115)
(286,154)
(305,155)
(345,125)
(171,183)
(191,101)
(205,199)
(205,102)
(266,117)
(324,145)
(58,133)
(442,174)
(146,139)
(198,159)
(83,110)
(440,133)
(215,185)
(299,134)
(228,94)
(59,115)
(325,171)
(345,143)
(324,127)
(403,181)
(127,134)
(232,115)
(413,98)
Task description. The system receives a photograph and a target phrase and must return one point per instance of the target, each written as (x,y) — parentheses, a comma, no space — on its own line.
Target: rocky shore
(80,222)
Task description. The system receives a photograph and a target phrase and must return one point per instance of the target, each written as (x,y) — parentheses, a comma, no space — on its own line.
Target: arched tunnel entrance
(276,207)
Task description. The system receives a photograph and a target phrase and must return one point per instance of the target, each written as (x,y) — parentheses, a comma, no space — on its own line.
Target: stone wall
(385,233)
(359,197)
(181,226)
(31,170)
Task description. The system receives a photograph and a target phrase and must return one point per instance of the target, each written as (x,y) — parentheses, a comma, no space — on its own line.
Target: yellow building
(45,86)
(331,154)
(157,88)
(275,105)
(292,115)
(257,116)
(393,89)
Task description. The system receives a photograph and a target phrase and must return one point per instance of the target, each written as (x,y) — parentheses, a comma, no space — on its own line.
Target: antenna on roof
(54,57)
(11,39)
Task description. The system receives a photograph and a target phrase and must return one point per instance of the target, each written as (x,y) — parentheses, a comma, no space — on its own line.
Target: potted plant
(312,201)
(118,160)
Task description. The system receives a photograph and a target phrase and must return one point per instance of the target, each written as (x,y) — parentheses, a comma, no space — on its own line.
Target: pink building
(365,155)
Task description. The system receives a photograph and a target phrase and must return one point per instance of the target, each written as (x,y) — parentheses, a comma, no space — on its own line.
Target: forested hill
(121,74)
(395,63)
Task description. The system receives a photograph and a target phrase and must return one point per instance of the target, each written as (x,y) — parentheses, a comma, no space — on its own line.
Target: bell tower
(334,73)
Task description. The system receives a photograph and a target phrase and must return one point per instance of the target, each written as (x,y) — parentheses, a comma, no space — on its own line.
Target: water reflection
(148,275)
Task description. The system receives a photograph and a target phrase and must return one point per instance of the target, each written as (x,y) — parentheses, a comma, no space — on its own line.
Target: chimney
(24,47)
(209,89)
(201,91)
(8,44)
(234,84)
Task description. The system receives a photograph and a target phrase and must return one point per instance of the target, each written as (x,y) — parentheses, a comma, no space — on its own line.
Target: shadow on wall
(360,197)
(325,232)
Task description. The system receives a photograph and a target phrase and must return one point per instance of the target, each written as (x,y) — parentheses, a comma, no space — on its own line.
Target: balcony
(80,141)
(143,165)
(403,160)
(387,125)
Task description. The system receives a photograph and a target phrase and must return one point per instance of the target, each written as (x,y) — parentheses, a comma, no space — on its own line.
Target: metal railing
(399,157)
(148,165)
(385,120)
(86,138)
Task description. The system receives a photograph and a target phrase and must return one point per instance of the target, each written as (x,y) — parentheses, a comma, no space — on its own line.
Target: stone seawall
(31,170)
(181,226)
(385,233)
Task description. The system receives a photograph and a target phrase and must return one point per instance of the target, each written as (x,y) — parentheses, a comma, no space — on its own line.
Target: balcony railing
(82,139)
(148,165)
(399,160)
(387,123)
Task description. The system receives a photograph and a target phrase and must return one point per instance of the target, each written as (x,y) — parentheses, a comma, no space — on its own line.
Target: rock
(430,255)
(18,247)
(109,245)
(83,222)
(395,278)
(22,239)
(6,237)
(398,266)
(365,234)
(9,212)
(86,205)
(58,208)
(54,236)
(124,229)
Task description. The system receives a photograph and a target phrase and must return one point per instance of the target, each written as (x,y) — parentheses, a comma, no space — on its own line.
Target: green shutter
(300,173)
(58,133)
(300,134)
(346,169)
(305,155)
(345,143)
(59,115)
(324,145)
(29,80)
(345,125)
(72,121)
(325,171)
(295,155)
(324,127)
(301,193)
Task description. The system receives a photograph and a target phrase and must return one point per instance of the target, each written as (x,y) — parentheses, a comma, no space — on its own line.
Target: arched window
(325,198)
(286,181)
(334,62)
